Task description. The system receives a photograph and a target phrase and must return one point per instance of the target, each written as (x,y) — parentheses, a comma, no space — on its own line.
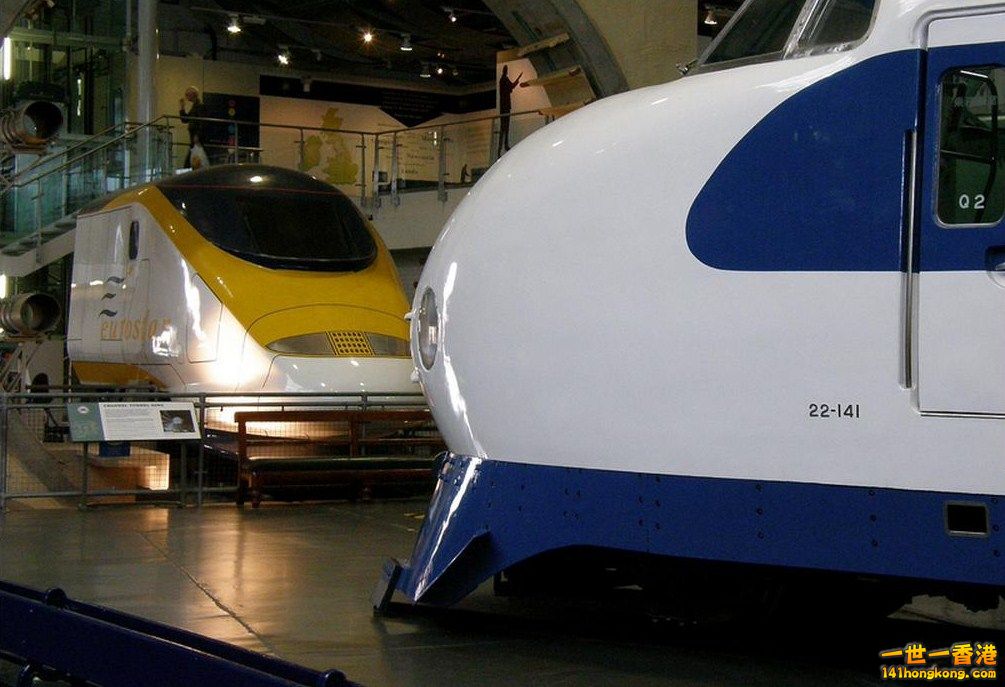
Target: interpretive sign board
(132,421)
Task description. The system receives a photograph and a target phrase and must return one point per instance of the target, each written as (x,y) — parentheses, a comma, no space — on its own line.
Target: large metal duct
(30,314)
(32,124)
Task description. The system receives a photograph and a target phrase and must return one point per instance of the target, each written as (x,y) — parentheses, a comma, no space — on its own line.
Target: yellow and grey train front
(239,278)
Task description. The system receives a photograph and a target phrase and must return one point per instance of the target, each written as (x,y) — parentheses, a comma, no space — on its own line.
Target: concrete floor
(295,580)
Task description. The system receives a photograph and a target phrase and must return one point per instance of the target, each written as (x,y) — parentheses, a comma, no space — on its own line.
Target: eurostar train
(240,278)
(753,318)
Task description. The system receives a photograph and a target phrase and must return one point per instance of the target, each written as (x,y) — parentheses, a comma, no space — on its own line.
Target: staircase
(41,199)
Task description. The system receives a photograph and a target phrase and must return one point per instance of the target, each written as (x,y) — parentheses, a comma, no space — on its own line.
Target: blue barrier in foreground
(57,638)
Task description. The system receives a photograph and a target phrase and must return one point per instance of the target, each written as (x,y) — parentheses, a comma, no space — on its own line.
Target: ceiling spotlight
(439,70)
(406,42)
(425,71)
(710,18)
(452,17)
(283,56)
(234,27)
(368,36)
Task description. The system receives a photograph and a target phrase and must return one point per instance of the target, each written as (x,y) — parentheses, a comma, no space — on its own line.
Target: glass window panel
(840,21)
(763,28)
(970,189)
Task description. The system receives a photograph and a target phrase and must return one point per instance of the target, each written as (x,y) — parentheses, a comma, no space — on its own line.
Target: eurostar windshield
(765,30)
(273,221)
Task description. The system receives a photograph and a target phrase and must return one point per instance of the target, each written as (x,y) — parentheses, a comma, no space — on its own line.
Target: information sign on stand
(93,422)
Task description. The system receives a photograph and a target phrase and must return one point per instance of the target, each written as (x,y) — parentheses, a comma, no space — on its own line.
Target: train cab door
(960,257)
(102,302)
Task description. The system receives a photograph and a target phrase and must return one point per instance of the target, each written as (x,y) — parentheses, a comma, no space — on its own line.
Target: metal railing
(368,164)
(40,200)
(38,460)
(443,156)
(53,188)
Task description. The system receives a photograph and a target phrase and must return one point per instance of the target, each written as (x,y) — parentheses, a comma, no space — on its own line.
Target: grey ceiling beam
(532,20)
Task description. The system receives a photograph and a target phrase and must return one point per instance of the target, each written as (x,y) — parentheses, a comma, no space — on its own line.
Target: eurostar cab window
(766,30)
(971,187)
(292,229)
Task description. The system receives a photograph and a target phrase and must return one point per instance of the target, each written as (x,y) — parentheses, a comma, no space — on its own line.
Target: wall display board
(93,422)
(217,136)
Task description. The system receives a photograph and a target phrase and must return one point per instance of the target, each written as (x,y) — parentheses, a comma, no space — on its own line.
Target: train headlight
(429,329)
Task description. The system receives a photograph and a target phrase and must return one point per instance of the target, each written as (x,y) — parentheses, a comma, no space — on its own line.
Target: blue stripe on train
(817,185)
(488,515)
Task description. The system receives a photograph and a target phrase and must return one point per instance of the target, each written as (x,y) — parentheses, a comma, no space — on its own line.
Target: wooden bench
(322,448)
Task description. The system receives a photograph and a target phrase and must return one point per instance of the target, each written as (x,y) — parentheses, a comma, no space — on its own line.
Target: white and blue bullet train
(755,316)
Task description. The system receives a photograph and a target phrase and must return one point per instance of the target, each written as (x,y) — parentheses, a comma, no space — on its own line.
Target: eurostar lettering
(133,330)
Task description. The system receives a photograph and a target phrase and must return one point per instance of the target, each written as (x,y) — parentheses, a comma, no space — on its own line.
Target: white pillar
(146,67)
(146,89)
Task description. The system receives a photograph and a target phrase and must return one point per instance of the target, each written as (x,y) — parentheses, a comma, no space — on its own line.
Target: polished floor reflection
(295,580)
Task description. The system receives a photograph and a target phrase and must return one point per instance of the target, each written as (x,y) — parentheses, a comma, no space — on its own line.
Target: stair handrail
(159,122)
(46,158)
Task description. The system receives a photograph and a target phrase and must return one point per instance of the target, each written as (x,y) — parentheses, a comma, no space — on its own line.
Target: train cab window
(134,239)
(837,23)
(277,228)
(776,29)
(761,30)
(971,187)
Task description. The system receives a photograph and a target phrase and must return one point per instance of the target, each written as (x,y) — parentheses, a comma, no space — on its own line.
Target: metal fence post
(201,467)
(376,171)
(3,452)
(126,164)
(149,154)
(441,176)
(362,170)
(394,170)
(83,477)
(301,165)
(182,475)
(39,218)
